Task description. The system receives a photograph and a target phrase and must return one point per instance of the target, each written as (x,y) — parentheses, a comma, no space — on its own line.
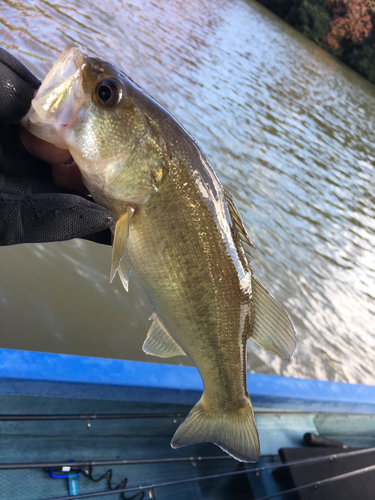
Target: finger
(17,88)
(45,217)
(103,237)
(68,176)
(18,184)
(44,150)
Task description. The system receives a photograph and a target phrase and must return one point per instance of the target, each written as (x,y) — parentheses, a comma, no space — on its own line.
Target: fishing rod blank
(91,416)
(225,474)
(93,463)
(215,476)
(112,416)
(317,484)
(96,463)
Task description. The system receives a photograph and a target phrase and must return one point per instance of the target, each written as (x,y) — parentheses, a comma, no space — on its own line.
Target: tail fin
(235,432)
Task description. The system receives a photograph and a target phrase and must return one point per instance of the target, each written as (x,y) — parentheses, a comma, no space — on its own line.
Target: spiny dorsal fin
(120,240)
(237,222)
(272,328)
(158,341)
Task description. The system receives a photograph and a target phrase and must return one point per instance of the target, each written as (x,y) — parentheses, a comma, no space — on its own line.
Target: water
(289,130)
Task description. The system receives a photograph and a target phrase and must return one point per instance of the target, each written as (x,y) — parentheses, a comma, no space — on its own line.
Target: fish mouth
(59,98)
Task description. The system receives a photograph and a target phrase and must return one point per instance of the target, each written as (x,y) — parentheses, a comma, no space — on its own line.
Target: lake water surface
(290,132)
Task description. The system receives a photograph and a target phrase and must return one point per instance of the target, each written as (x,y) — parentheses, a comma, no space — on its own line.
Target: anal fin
(272,328)
(158,341)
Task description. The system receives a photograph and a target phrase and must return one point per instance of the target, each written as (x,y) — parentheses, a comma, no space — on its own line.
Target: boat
(75,427)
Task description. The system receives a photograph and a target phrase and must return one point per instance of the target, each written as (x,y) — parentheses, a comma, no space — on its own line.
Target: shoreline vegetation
(344,28)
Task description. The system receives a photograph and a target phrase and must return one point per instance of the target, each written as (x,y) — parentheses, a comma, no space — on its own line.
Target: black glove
(32,208)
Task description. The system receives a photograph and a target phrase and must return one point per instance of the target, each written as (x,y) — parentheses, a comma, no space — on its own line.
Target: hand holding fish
(33,208)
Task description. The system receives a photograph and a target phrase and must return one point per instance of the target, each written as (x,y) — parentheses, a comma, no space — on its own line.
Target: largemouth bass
(177,231)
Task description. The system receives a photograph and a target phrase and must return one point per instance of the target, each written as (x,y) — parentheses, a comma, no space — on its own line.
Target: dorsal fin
(237,222)
(158,341)
(271,328)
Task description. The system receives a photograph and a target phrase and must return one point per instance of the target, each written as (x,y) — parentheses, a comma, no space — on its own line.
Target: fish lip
(67,70)
(50,114)
(73,53)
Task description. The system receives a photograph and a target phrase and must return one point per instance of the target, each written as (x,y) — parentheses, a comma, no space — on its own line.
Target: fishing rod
(153,486)
(93,463)
(316,484)
(257,470)
(148,487)
(97,463)
(90,416)
(113,416)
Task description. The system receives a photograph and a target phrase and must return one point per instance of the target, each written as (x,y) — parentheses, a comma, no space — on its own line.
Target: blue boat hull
(54,384)
(61,375)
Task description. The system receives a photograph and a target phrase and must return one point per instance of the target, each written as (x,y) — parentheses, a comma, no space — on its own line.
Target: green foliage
(318,20)
(310,17)
(362,59)
(361,56)
(280,7)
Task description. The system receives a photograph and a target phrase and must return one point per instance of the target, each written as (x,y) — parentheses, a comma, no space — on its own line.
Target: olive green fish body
(178,232)
(192,282)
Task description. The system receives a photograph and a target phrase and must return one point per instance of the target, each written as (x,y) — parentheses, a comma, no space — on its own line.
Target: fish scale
(177,231)
(182,280)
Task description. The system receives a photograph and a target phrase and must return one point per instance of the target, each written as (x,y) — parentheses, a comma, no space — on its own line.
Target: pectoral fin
(124,274)
(120,240)
(272,328)
(158,341)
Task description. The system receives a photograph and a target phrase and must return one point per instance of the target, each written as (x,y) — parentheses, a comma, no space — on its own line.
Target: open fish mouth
(59,98)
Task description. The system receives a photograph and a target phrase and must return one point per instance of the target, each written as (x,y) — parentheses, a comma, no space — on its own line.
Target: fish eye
(108,93)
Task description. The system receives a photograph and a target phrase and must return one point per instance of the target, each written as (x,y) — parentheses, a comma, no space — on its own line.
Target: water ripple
(290,131)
